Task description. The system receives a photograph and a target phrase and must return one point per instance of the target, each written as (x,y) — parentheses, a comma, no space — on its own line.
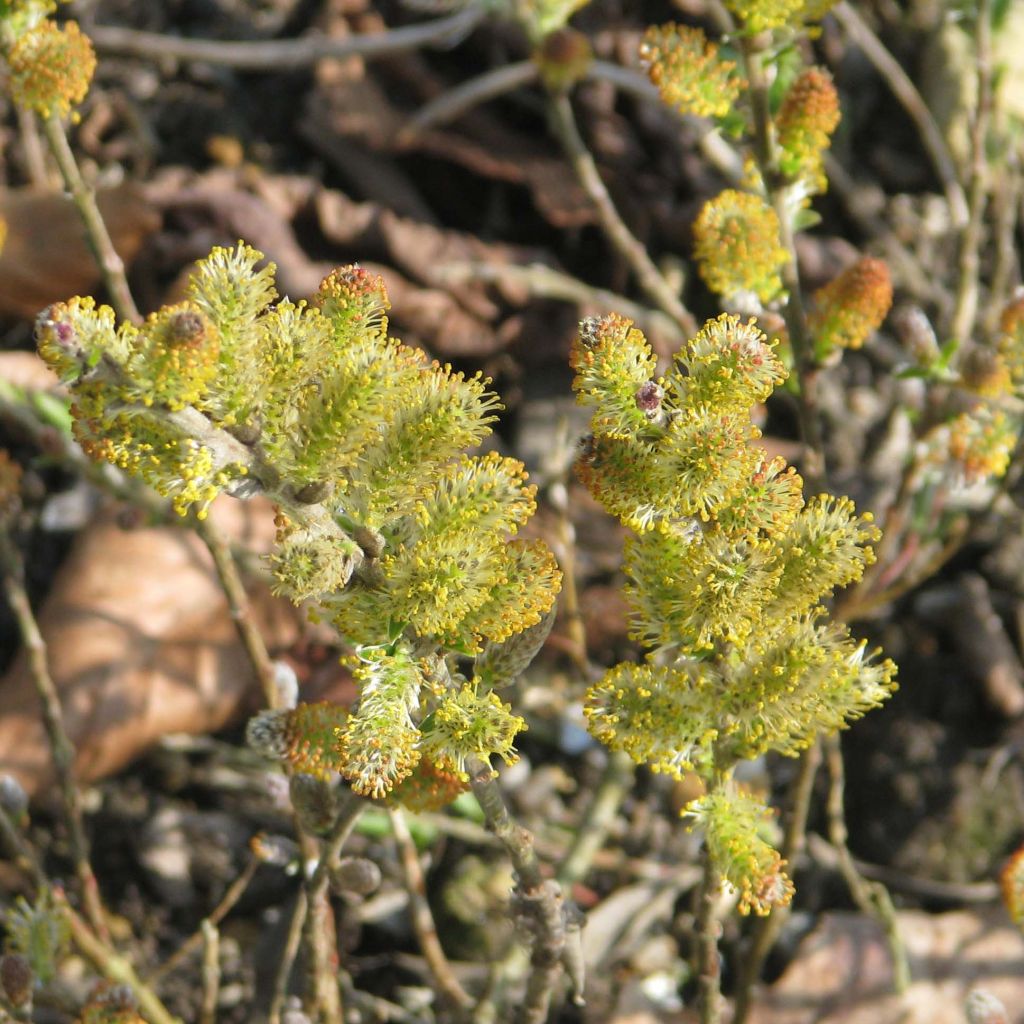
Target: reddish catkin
(852,307)
(1012,883)
(805,123)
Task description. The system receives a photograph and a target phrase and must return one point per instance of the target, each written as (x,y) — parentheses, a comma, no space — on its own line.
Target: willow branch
(113,966)
(451,105)
(709,967)
(61,748)
(231,896)
(872,897)
(766,929)
(324,995)
(538,901)
(241,609)
(110,264)
(796,320)
(632,250)
(965,309)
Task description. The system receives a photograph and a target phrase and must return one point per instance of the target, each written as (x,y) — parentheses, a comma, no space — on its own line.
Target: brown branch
(766,929)
(61,748)
(231,896)
(282,54)
(872,897)
(113,966)
(538,902)
(709,966)
(650,278)
(323,997)
(110,264)
(965,309)
(805,364)
(210,973)
(241,610)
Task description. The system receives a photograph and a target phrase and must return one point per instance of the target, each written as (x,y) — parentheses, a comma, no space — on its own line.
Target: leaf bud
(280,851)
(314,492)
(286,685)
(13,798)
(315,801)
(563,59)
(267,733)
(16,979)
(186,328)
(983,371)
(917,335)
(357,876)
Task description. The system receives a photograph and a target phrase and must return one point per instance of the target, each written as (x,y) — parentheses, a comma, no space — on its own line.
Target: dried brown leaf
(45,257)
(140,644)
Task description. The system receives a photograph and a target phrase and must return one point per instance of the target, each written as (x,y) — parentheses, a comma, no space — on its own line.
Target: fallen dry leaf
(46,258)
(141,643)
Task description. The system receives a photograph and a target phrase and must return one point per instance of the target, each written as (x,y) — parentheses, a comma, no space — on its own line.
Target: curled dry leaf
(141,643)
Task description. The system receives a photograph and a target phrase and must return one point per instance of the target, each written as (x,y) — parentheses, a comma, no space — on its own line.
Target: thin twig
(210,973)
(61,748)
(1006,260)
(965,309)
(546,282)
(565,550)
(766,929)
(913,103)
(806,367)
(709,967)
(423,919)
(451,105)
(288,955)
(282,54)
(241,609)
(872,897)
(195,940)
(113,966)
(821,850)
(615,784)
(538,900)
(324,997)
(32,146)
(110,264)
(19,851)
(632,250)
